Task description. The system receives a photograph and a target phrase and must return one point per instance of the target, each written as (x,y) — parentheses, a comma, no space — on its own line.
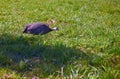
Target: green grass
(87,45)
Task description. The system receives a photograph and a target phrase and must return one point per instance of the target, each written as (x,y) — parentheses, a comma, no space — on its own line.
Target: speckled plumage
(38,28)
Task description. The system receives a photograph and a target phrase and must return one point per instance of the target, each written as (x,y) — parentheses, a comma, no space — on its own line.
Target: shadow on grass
(14,49)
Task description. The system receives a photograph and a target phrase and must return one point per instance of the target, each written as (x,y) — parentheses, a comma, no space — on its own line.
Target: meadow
(87,45)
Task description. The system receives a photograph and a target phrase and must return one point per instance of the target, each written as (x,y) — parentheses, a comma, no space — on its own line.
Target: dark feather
(37,28)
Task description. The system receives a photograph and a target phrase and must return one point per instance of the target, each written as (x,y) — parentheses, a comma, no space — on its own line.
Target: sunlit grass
(87,45)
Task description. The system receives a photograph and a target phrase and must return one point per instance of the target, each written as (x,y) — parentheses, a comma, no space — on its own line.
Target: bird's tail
(25,30)
(27,26)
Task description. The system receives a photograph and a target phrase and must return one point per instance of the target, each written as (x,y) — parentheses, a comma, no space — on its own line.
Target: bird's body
(38,28)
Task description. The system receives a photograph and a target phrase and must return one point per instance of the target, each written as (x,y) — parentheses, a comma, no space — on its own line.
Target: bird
(38,28)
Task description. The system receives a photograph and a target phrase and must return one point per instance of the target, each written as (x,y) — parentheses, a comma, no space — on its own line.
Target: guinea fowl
(38,29)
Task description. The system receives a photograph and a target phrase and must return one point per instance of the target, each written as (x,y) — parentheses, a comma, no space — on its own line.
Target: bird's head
(55,28)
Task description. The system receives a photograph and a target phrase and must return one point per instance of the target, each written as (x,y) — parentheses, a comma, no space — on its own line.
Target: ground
(87,45)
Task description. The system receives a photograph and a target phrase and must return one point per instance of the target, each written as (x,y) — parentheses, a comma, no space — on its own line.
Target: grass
(87,45)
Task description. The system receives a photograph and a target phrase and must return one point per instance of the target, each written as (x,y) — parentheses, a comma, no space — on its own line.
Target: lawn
(87,45)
